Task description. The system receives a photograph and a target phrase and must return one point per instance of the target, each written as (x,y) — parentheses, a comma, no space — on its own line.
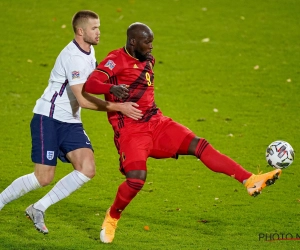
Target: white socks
(62,189)
(27,183)
(18,188)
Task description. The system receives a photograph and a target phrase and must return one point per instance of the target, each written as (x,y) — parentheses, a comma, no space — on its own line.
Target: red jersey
(122,68)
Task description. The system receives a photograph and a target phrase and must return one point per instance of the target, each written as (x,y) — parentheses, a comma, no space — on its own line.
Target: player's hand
(120,91)
(130,110)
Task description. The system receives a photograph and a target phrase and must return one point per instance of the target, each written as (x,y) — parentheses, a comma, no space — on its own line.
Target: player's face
(144,46)
(91,32)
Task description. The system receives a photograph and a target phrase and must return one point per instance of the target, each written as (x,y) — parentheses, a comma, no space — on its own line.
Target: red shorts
(158,138)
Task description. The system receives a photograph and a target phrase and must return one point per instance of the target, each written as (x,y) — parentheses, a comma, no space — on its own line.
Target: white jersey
(72,66)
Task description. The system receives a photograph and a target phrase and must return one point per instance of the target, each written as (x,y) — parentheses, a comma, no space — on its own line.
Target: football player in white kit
(56,126)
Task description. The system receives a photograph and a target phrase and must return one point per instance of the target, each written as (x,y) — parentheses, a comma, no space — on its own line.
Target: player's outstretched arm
(88,101)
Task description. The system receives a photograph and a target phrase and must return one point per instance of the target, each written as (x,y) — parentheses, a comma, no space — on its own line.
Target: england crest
(50,155)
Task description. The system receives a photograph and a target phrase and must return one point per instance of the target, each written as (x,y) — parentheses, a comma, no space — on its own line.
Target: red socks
(220,163)
(126,192)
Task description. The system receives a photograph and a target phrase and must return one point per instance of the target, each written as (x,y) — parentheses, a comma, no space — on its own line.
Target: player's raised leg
(221,163)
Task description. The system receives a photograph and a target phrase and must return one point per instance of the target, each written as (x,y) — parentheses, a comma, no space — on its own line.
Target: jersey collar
(83,51)
(125,50)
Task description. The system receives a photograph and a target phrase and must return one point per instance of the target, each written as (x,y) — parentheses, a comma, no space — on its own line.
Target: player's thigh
(83,161)
(134,146)
(45,145)
(168,136)
(73,137)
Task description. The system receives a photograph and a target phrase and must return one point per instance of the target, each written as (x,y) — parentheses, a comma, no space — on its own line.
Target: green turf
(248,71)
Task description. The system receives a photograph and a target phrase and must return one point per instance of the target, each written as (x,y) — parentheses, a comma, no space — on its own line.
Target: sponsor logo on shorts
(50,155)
(110,64)
(75,74)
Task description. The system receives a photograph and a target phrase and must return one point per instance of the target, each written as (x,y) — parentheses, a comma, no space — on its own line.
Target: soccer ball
(280,154)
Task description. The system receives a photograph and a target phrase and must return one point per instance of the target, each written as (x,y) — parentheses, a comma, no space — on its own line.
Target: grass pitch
(240,58)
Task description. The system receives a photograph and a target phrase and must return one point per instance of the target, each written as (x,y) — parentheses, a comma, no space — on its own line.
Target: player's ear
(132,41)
(80,31)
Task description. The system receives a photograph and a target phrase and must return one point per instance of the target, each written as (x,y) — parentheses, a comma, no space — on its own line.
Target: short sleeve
(76,70)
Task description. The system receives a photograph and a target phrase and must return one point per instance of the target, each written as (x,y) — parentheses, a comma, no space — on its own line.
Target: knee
(83,161)
(91,173)
(88,170)
(193,145)
(44,174)
(137,174)
(136,170)
(44,179)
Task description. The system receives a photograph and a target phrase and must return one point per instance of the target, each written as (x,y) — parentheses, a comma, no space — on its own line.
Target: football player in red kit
(155,135)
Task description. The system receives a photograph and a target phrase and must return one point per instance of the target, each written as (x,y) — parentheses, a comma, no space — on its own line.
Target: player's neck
(83,45)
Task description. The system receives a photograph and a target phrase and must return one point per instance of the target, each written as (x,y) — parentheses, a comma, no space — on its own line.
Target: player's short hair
(81,17)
